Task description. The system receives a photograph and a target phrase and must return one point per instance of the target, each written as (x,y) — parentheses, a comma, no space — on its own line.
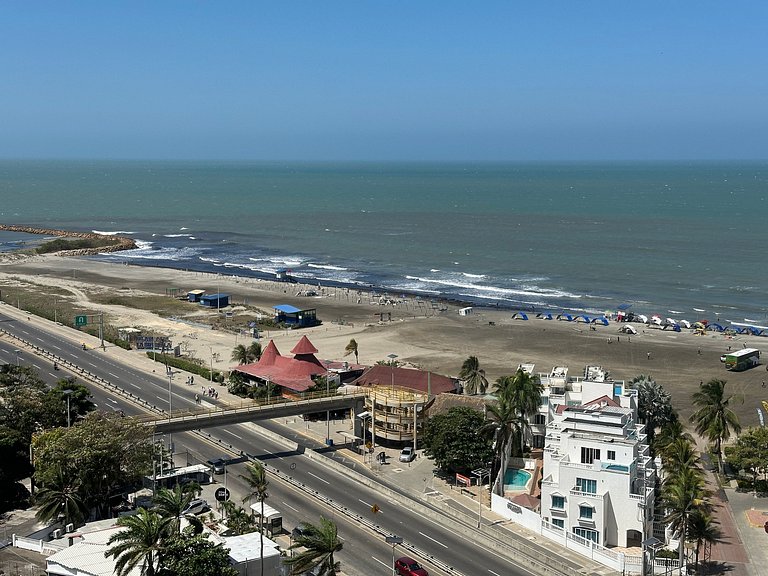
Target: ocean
(683,240)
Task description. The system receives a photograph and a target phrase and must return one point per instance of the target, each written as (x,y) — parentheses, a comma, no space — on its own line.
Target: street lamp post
(394,540)
(480,473)
(211,373)
(18,353)
(67,393)
(170,409)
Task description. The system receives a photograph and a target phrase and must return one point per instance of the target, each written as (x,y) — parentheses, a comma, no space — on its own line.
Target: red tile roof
(382,375)
(292,373)
(304,346)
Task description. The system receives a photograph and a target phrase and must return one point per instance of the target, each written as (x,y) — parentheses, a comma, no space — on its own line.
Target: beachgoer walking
(191,379)
(649,355)
(698,351)
(197,399)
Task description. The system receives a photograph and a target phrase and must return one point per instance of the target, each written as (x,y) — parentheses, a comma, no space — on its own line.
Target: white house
(598,480)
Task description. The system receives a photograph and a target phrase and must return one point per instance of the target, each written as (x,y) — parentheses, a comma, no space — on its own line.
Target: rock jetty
(120,242)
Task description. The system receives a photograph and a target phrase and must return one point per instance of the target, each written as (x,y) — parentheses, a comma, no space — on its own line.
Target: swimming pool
(516,479)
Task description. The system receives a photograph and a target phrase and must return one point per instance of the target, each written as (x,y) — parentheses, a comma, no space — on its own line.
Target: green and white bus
(742,359)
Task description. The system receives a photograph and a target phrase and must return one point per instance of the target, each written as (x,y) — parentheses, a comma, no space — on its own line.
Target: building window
(558,502)
(588,534)
(589,455)
(611,454)
(539,441)
(539,419)
(558,522)
(586,485)
(585,512)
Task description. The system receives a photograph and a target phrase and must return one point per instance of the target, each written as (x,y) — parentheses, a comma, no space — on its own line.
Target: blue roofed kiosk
(295,317)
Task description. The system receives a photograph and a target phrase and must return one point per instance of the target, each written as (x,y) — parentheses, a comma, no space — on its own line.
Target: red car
(409,567)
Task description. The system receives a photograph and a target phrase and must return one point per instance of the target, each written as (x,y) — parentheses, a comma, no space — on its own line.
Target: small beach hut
(465,311)
(215,300)
(195,295)
(295,317)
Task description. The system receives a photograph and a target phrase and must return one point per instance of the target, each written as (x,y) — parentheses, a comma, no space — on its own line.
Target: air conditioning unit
(70,527)
(57,534)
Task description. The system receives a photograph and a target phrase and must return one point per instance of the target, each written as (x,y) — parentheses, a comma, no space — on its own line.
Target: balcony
(576,492)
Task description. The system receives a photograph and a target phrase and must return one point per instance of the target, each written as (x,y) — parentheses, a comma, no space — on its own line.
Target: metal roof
(287,308)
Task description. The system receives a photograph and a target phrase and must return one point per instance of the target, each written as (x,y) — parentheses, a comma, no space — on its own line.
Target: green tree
(714,418)
(455,442)
(193,555)
(256,480)
(351,348)
(240,354)
(473,377)
(702,530)
(654,405)
(670,432)
(506,426)
(171,503)
(522,390)
(320,542)
(100,453)
(239,521)
(254,351)
(140,543)
(61,497)
(14,455)
(680,454)
(682,493)
(750,452)
(79,404)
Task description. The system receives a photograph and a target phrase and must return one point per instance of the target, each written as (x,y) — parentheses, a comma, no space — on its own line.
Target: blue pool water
(515,479)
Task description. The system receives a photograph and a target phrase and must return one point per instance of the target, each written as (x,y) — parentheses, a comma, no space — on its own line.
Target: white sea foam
(326,267)
(102,233)
(150,253)
(177,235)
(481,289)
(468,275)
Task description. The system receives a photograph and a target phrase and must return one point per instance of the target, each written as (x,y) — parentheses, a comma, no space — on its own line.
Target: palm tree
(669,433)
(320,542)
(171,504)
(257,482)
(240,354)
(522,390)
(254,352)
(654,405)
(140,543)
(680,454)
(351,349)
(239,521)
(682,494)
(473,376)
(504,423)
(714,418)
(702,530)
(61,497)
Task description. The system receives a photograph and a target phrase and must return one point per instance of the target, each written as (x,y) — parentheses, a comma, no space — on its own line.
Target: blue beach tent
(544,315)
(520,316)
(583,317)
(600,320)
(565,316)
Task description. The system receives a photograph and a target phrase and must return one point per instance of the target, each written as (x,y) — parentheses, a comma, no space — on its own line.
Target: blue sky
(394,80)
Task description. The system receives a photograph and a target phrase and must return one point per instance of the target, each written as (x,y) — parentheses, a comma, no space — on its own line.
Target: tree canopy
(194,554)
(454,440)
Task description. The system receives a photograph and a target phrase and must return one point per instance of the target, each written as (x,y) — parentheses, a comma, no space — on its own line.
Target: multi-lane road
(364,551)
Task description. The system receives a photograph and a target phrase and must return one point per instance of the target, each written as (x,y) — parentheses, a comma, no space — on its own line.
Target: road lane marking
(111,400)
(54,346)
(134,385)
(382,563)
(492,572)
(233,434)
(433,540)
(115,376)
(364,502)
(318,477)
(289,506)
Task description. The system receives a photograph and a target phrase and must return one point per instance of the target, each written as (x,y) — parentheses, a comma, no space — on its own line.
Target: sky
(387,80)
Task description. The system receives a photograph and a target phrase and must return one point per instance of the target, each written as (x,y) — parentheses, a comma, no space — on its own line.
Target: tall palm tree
(714,418)
(351,349)
(680,454)
(171,504)
(669,433)
(257,482)
(522,390)
(702,530)
(681,495)
(240,354)
(62,496)
(473,376)
(654,405)
(140,543)
(505,424)
(320,541)
(254,352)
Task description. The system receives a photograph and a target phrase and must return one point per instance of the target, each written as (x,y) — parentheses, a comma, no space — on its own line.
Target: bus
(742,359)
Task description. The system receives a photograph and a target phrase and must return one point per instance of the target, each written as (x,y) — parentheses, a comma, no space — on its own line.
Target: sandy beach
(435,339)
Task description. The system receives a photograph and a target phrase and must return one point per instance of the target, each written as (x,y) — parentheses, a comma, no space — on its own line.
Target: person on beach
(649,355)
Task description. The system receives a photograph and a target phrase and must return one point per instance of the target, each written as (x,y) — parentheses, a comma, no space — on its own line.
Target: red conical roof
(269,354)
(304,347)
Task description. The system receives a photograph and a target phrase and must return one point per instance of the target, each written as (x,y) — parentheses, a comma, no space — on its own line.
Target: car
(406,566)
(196,506)
(218,465)
(407,454)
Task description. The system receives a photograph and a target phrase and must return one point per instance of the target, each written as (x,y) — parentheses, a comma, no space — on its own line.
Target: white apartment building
(598,478)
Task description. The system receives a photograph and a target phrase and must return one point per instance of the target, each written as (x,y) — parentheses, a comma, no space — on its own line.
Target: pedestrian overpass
(250,411)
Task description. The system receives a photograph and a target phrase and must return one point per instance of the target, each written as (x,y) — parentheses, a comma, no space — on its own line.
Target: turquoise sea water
(681,240)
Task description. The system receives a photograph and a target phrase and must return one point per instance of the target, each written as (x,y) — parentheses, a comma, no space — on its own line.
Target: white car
(407,454)
(196,506)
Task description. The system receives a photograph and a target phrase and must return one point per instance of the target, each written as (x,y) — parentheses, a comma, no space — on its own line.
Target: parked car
(407,454)
(409,567)
(196,506)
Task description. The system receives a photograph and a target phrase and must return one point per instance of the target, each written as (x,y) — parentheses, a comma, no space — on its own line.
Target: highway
(363,550)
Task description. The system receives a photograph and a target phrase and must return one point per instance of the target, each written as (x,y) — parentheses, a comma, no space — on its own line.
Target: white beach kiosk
(465,311)
(273,518)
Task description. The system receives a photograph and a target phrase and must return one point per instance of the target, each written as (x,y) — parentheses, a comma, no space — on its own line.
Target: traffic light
(375,508)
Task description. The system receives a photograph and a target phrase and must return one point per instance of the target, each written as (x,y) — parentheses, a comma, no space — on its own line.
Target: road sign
(221,494)
(81,320)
